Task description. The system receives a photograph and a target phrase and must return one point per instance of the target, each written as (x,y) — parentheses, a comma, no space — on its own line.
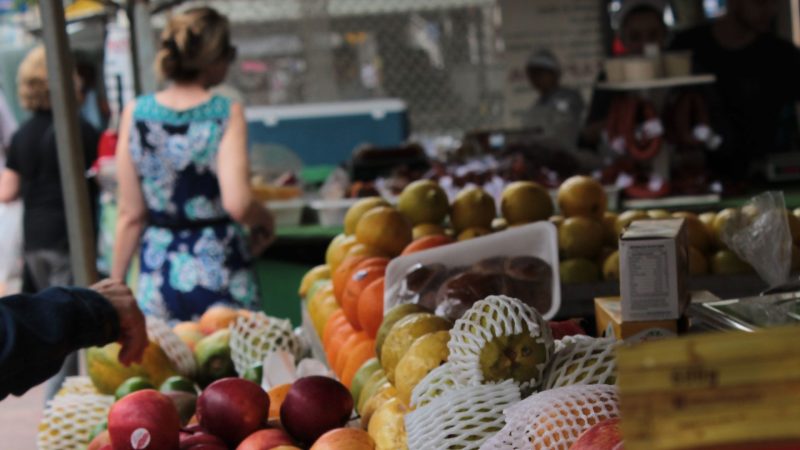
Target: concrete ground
(19,419)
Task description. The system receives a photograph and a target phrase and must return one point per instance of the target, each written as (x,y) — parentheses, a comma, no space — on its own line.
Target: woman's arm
(9,186)
(233,167)
(132,209)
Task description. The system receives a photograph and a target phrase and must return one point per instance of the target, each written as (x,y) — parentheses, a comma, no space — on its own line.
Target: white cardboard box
(654,269)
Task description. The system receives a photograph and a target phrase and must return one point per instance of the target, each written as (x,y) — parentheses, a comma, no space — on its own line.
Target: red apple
(144,420)
(232,408)
(265,440)
(602,436)
(100,441)
(315,405)
(195,438)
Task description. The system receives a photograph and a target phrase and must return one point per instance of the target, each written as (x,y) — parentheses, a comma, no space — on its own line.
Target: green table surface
(308,231)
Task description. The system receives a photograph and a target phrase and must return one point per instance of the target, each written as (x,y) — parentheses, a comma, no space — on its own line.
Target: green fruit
(518,356)
(178,383)
(579,270)
(132,384)
(254,374)
(361,377)
(213,355)
(103,426)
(391,318)
(371,386)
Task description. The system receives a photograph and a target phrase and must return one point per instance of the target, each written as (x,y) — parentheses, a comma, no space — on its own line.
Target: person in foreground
(37,332)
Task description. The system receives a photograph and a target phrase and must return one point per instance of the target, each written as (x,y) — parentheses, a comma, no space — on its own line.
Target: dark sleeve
(38,331)
(13,157)
(90,138)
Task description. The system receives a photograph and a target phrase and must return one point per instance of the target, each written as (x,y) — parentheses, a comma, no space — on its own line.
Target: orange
(335,322)
(472,208)
(525,202)
(361,353)
(276,397)
(217,318)
(337,250)
(342,275)
(582,196)
(320,309)
(370,308)
(385,229)
(360,249)
(424,201)
(344,438)
(358,209)
(427,242)
(427,229)
(347,348)
(360,279)
(337,343)
(186,327)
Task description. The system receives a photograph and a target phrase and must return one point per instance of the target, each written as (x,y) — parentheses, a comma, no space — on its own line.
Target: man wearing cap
(558,111)
(641,25)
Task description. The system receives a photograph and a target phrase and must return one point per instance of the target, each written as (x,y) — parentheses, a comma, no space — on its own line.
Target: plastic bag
(759,234)
(11,244)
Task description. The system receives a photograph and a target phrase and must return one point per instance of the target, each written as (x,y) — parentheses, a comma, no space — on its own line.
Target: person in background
(641,24)
(8,126)
(38,331)
(757,82)
(94,109)
(558,111)
(32,174)
(184,179)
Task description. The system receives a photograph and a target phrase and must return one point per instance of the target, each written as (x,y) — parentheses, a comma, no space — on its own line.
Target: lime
(132,384)
(254,374)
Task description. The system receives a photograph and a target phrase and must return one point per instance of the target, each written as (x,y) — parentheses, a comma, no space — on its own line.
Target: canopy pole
(68,139)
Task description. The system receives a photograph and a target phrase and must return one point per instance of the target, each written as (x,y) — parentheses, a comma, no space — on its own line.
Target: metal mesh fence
(437,55)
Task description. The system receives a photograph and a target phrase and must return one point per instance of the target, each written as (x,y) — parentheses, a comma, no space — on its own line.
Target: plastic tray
(538,239)
(288,213)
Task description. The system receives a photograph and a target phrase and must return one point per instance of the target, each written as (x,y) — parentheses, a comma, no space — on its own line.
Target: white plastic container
(538,239)
(331,212)
(288,213)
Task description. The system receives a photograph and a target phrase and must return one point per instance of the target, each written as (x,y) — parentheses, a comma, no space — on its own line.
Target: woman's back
(175,155)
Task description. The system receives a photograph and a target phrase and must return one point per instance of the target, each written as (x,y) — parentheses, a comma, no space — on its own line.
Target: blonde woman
(32,174)
(184,180)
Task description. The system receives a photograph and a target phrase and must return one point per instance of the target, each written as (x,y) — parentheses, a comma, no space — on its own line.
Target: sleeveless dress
(192,254)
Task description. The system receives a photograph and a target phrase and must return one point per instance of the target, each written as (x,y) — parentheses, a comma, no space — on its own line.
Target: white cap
(629,5)
(543,59)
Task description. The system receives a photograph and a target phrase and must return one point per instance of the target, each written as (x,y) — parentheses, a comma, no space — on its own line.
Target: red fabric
(106,148)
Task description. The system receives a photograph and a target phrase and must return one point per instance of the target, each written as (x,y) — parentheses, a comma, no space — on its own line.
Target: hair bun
(191,42)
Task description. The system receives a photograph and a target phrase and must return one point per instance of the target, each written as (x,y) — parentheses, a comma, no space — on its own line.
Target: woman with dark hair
(184,180)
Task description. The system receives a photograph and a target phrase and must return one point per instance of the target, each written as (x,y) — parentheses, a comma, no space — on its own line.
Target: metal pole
(68,139)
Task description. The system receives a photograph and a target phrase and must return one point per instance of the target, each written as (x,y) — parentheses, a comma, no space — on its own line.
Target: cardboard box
(608,315)
(654,269)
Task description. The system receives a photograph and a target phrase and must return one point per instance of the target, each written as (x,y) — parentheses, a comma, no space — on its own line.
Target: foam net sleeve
(554,419)
(69,419)
(495,316)
(253,338)
(437,382)
(582,360)
(462,418)
(176,350)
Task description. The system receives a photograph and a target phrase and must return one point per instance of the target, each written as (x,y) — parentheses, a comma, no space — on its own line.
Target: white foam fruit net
(462,418)
(69,419)
(255,337)
(495,316)
(77,386)
(176,350)
(438,381)
(554,419)
(582,360)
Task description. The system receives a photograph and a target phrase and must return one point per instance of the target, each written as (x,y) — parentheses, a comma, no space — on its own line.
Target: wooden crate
(711,391)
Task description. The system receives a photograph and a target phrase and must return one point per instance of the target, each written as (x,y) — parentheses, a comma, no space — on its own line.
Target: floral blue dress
(192,254)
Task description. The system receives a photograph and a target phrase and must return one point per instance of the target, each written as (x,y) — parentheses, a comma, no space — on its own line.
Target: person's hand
(263,235)
(132,331)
